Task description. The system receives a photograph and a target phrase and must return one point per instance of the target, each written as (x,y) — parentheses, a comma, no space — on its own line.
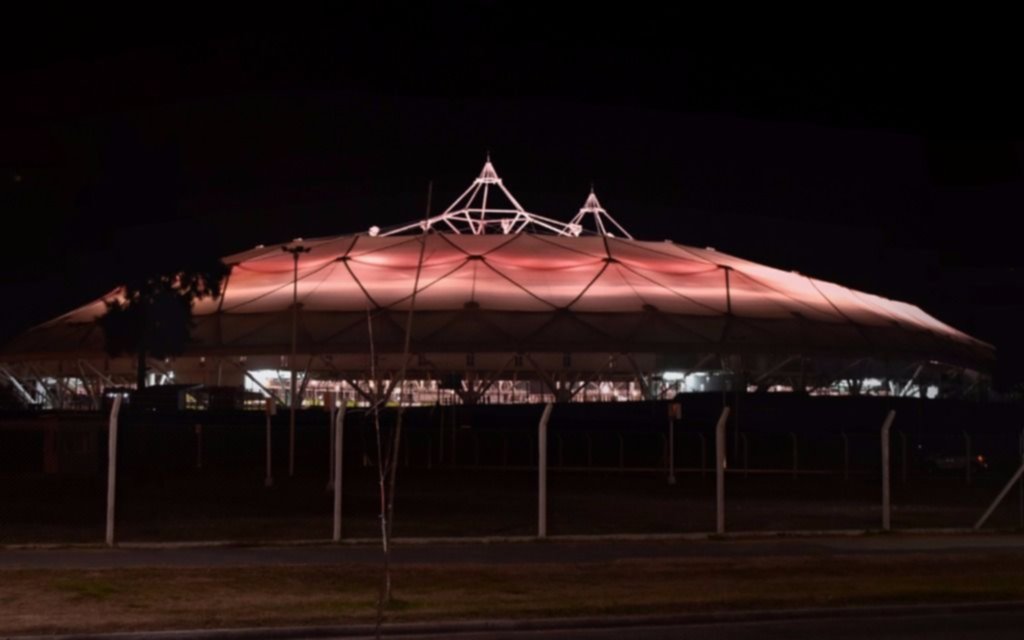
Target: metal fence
(788,462)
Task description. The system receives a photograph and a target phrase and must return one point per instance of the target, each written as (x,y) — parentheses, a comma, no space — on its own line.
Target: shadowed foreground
(56,600)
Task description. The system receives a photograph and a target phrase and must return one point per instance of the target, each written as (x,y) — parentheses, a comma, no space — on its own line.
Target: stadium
(507,306)
(473,328)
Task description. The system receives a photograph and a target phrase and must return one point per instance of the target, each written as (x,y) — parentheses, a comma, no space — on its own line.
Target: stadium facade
(507,306)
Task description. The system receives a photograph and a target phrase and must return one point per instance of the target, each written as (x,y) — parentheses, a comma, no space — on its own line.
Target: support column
(330,404)
(720,471)
(268,480)
(115,410)
(1017,476)
(296,251)
(339,441)
(542,472)
(886,501)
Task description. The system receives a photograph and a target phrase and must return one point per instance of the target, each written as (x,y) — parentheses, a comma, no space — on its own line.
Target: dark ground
(472,472)
(206,505)
(991,625)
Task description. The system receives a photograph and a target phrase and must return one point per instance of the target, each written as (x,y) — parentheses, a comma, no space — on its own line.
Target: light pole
(296,251)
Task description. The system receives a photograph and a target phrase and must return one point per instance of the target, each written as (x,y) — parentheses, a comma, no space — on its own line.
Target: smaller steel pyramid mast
(485,207)
(603,222)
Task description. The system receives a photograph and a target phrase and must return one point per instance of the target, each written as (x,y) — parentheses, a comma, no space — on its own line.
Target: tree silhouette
(153,314)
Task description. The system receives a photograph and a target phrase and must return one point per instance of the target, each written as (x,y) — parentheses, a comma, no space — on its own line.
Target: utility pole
(296,250)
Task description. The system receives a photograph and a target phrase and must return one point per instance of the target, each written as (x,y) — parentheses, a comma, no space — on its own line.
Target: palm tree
(153,314)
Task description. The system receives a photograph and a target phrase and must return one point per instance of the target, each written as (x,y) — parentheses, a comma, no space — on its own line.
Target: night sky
(888,164)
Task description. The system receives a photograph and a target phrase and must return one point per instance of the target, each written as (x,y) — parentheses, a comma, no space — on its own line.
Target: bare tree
(387,464)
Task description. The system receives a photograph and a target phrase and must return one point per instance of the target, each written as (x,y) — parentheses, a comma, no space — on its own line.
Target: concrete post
(1020,486)
(720,471)
(330,404)
(1002,494)
(542,472)
(115,410)
(268,480)
(886,498)
(339,441)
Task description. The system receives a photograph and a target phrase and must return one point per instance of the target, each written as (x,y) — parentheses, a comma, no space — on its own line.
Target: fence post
(115,410)
(330,404)
(1002,494)
(542,472)
(720,471)
(339,443)
(886,502)
(268,480)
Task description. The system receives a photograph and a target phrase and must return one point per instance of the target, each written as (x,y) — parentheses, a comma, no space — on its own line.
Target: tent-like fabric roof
(527,292)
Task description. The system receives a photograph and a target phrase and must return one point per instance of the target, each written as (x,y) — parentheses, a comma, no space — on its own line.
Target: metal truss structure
(603,222)
(485,207)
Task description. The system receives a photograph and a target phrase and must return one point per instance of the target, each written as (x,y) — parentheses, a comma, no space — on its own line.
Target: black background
(884,159)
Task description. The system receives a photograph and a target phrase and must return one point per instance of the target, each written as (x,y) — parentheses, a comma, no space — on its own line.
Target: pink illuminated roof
(539,292)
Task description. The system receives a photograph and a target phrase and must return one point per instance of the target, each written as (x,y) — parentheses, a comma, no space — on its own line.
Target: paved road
(500,553)
(964,622)
(961,626)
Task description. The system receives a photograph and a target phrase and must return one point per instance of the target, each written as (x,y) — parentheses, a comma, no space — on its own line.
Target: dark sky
(888,163)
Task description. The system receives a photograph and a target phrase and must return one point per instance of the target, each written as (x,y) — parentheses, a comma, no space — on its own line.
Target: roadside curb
(483,540)
(543,624)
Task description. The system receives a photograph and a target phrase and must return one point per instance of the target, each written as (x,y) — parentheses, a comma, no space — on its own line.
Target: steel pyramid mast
(603,221)
(485,207)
